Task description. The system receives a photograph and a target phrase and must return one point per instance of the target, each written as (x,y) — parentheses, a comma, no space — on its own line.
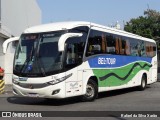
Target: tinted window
(127,47)
(122,46)
(95,41)
(101,42)
(111,44)
(74,52)
(150,49)
(134,47)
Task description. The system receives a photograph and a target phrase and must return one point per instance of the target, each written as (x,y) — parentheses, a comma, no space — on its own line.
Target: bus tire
(91,91)
(143,83)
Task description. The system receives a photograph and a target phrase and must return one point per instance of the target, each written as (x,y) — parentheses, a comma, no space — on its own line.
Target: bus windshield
(38,55)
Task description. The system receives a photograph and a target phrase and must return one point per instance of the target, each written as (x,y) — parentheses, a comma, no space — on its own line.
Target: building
(15,16)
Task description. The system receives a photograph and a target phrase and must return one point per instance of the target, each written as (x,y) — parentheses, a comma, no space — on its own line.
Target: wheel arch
(94,78)
(92,84)
(145,75)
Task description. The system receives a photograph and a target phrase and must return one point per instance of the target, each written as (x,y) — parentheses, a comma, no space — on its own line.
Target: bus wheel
(143,83)
(91,91)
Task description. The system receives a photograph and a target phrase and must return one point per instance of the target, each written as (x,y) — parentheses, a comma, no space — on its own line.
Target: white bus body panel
(45,92)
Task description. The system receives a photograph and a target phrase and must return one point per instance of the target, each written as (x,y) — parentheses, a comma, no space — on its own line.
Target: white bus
(67,59)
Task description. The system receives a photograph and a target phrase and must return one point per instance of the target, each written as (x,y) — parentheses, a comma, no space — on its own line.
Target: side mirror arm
(64,37)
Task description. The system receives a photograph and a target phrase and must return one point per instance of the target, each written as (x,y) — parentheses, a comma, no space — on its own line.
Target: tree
(146,26)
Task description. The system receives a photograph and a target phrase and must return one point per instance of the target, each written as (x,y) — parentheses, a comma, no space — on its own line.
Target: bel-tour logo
(109,61)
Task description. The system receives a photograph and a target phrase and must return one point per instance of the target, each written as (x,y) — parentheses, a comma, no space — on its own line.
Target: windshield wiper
(43,72)
(28,61)
(38,59)
(25,63)
(41,67)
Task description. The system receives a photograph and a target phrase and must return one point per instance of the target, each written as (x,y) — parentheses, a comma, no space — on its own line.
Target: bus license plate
(33,95)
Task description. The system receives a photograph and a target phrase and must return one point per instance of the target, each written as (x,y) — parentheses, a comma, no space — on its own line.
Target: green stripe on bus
(119,76)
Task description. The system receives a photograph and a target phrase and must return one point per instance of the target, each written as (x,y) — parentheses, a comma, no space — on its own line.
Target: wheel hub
(89,91)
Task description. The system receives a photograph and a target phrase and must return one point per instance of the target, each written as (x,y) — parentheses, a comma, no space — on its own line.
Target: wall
(1,52)
(17,15)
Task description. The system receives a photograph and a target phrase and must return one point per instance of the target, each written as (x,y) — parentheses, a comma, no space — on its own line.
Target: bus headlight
(59,80)
(15,80)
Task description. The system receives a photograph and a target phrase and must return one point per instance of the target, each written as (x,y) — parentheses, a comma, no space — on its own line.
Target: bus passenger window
(111,44)
(154,49)
(104,44)
(138,49)
(117,45)
(95,43)
(141,48)
(122,46)
(134,47)
(127,47)
(149,49)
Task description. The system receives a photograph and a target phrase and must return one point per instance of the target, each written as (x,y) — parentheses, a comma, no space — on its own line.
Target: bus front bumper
(52,91)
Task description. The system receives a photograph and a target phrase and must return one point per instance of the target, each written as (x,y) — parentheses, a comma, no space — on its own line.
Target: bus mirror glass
(64,37)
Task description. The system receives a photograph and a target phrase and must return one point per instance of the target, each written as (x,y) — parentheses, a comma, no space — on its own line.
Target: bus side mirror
(5,44)
(64,37)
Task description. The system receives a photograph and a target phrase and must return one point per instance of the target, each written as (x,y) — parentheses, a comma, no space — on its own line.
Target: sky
(104,12)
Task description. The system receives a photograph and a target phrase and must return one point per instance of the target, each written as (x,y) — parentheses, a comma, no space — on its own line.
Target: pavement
(7,90)
(121,100)
(8,87)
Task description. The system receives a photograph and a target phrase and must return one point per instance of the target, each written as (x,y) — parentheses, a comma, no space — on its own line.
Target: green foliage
(146,26)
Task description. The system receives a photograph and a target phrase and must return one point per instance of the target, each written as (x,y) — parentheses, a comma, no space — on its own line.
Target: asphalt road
(120,100)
